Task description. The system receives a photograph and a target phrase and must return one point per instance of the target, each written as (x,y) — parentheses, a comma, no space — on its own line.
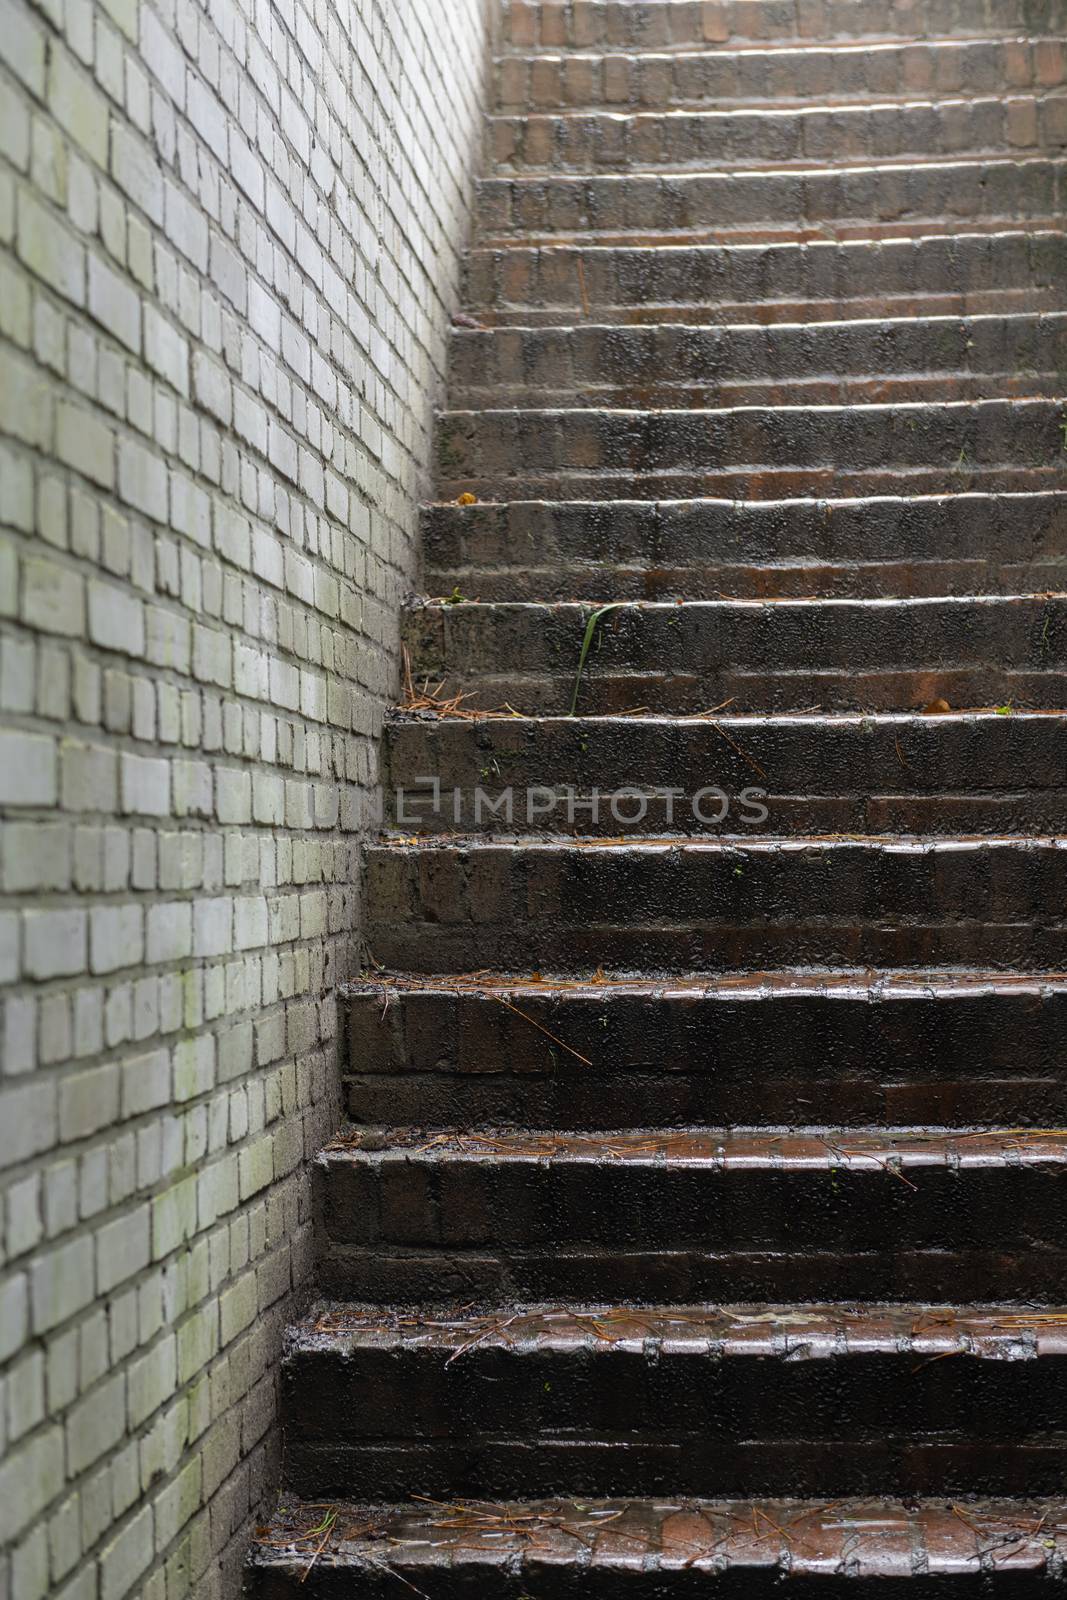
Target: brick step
(968,773)
(675,365)
(586,24)
(754,205)
(503,1215)
(849,1049)
(828,73)
(708,549)
(750,1399)
(754,452)
(955,274)
(656,1548)
(707,140)
(747,655)
(717,906)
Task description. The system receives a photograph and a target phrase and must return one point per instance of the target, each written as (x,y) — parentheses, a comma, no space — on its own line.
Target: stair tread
(996,1332)
(937,406)
(487,721)
(935,322)
(847,1540)
(970,159)
(784,103)
(859,983)
(797,844)
(756,47)
(793,602)
(856,1150)
(707,113)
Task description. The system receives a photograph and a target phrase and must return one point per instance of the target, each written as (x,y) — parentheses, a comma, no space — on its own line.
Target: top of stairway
(577,25)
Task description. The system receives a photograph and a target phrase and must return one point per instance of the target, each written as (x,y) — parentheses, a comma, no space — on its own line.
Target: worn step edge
(873,1152)
(981,162)
(1006,1332)
(619,1542)
(858,984)
(790,100)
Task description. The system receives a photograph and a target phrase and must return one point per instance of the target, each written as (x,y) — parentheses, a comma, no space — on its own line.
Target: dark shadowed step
(937,774)
(706,906)
(693,1214)
(711,549)
(760,204)
(583,24)
(747,655)
(750,1399)
(701,141)
(672,365)
(843,1048)
(823,279)
(830,73)
(751,452)
(654,1549)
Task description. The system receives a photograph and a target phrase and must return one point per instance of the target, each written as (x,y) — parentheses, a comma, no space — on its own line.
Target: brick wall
(229,236)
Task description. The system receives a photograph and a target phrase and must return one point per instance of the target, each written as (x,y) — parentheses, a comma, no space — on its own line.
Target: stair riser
(699,141)
(649,1100)
(706,909)
(671,659)
(440,1059)
(599,1424)
(499,1205)
(719,579)
(770,283)
(555,24)
(756,453)
(427,1275)
(676,366)
(828,1466)
(699,78)
(968,544)
(789,815)
(929,775)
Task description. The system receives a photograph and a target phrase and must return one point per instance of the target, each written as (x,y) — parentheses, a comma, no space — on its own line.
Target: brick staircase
(702,1214)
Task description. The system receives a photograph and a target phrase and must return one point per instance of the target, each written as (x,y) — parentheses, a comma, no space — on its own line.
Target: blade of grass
(590,630)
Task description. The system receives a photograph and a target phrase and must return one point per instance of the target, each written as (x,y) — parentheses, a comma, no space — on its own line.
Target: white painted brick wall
(229,245)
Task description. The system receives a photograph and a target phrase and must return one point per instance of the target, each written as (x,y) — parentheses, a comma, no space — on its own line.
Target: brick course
(229,247)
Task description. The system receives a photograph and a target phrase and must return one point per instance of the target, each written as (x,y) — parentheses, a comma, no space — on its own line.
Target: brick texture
(229,248)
